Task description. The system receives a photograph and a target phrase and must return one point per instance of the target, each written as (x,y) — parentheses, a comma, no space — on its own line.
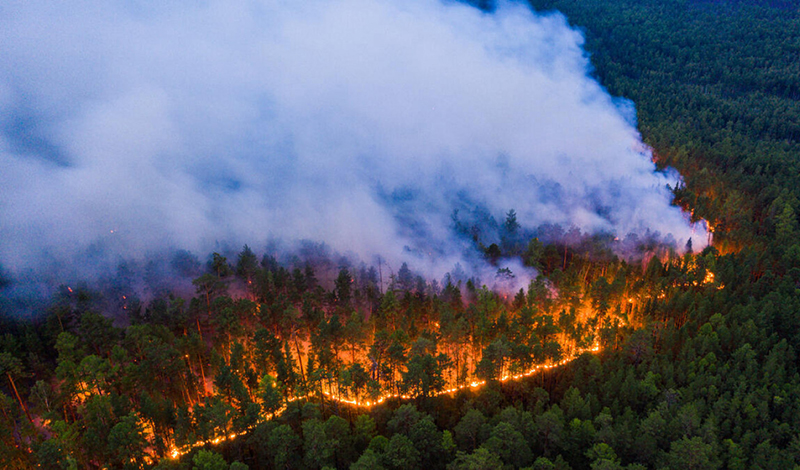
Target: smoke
(131,127)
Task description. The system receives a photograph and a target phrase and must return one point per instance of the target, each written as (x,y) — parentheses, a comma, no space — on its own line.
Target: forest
(619,354)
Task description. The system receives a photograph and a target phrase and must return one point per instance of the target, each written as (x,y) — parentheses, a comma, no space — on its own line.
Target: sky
(131,127)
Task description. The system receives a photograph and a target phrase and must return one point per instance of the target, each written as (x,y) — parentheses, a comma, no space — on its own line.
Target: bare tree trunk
(202,374)
(21,403)
(299,357)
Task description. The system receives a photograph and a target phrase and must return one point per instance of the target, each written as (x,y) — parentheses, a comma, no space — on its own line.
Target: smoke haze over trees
(370,126)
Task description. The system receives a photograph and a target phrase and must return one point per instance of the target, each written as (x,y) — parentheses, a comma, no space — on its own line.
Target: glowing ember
(175,452)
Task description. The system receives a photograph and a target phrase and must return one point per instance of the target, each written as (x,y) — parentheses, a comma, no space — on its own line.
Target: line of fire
(261,335)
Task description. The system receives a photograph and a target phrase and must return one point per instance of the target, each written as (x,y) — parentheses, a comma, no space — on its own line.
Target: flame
(176,452)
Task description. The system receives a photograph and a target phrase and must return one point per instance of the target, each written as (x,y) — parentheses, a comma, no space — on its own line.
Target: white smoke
(126,127)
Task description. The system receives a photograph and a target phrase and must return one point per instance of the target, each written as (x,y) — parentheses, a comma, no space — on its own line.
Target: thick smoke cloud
(126,127)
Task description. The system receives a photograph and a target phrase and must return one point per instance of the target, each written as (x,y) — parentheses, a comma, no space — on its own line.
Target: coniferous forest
(620,354)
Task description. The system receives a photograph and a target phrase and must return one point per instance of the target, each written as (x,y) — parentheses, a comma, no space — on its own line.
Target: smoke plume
(372,125)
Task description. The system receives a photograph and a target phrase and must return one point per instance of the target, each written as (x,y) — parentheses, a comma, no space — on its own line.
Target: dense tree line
(717,91)
(259,335)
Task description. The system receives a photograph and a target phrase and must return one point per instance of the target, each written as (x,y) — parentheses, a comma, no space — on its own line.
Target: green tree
(423,376)
(401,454)
(369,460)
(284,446)
(343,288)
(427,440)
(52,455)
(317,447)
(339,436)
(481,459)
(493,361)
(11,367)
(357,381)
(603,457)
(509,444)
(471,430)
(533,254)
(247,266)
(208,460)
(550,429)
(270,394)
(405,278)
(787,227)
(692,454)
(126,442)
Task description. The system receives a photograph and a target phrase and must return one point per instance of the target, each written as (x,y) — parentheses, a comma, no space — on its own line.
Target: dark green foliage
(207,460)
(481,459)
(400,453)
(471,430)
(284,445)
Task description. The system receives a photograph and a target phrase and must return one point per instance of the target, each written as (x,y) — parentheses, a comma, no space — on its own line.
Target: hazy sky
(130,126)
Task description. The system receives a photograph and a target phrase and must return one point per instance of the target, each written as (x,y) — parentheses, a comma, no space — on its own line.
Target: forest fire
(389,199)
(320,354)
(259,336)
(175,452)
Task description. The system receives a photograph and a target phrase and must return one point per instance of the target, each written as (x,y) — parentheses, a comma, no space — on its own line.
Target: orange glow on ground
(176,452)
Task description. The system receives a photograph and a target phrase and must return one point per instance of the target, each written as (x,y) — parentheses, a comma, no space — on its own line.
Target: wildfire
(474,384)
(709,280)
(176,452)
